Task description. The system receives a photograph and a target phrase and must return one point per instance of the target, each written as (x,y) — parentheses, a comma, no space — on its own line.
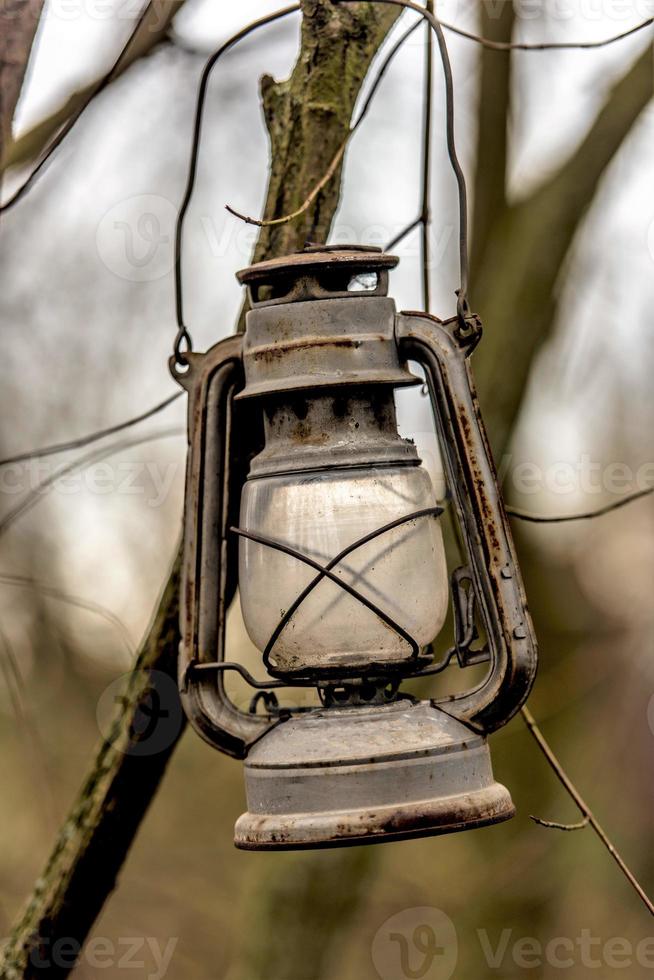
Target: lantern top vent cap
(319,272)
(357,257)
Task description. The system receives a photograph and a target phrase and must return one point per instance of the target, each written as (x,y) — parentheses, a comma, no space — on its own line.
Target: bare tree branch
(94,840)
(589,816)
(516,286)
(18,24)
(588,515)
(151,32)
(89,437)
(331,169)
(313,109)
(493,118)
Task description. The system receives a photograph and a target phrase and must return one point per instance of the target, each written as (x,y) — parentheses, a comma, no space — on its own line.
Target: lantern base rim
(362,775)
(427,818)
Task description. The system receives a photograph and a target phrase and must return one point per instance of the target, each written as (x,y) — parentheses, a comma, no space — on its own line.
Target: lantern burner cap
(321,318)
(319,272)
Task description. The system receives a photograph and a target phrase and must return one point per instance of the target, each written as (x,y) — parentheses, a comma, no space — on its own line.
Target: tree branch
(151,32)
(588,815)
(516,285)
(312,110)
(93,842)
(18,24)
(493,115)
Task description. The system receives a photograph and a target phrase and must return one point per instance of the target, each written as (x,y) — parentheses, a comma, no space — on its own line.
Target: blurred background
(88,324)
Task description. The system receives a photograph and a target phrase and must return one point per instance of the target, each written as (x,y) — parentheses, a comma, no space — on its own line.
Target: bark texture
(93,842)
(312,110)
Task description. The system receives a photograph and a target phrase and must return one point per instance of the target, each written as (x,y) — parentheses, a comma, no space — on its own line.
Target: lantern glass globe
(402,571)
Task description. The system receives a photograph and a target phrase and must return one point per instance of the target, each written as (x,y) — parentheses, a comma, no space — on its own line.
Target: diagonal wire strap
(325,571)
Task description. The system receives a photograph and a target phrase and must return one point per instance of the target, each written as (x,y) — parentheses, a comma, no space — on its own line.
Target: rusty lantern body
(301,492)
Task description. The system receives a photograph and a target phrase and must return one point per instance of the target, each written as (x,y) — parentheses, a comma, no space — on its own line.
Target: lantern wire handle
(183,343)
(467,325)
(425,209)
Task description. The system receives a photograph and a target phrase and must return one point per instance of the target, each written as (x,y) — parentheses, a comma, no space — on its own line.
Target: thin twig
(523,515)
(18,696)
(425,211)
(306,204)
(515,45)
(53,592)
(338,156)
(403,233)
(555,825)
(63,447)
(96,456)
(546,45)
(70,123)
(571,789)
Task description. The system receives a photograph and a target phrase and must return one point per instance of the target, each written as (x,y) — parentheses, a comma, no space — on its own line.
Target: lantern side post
(483,521)
(214,479)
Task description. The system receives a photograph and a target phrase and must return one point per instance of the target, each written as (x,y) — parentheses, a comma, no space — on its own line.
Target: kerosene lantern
(301,490)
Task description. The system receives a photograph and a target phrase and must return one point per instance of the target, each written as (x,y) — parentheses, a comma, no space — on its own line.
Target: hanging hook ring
(469,328)
(183,346)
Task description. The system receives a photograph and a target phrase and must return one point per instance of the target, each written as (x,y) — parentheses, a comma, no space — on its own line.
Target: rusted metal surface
(316,273)
(368,775)
(344,428)
(339,341)
(207,581)
(474,485)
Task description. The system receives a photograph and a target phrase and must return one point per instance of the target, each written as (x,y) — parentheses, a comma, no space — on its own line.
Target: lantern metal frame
(216,470)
